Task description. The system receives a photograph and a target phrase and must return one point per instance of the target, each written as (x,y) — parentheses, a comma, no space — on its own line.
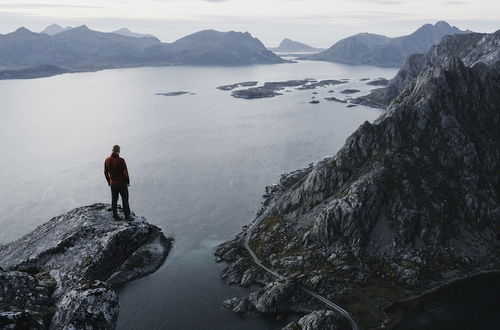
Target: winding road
(259,263)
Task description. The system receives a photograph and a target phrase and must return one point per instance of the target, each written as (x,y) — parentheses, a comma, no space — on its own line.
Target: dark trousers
(121,190)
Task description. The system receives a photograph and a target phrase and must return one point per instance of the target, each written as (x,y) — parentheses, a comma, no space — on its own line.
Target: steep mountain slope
(410,202)
(288,45)
(373,49)
(471,48)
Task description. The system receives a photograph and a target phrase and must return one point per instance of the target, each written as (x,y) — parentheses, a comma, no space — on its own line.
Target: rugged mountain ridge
(410,202)
(379,50)
(210,47)
(470,48)
(76,49)
(62,274)
(82,49)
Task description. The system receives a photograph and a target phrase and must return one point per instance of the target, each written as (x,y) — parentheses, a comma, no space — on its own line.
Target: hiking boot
(116,217)
(129,218)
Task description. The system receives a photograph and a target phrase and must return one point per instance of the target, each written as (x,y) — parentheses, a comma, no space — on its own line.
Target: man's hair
(116,148)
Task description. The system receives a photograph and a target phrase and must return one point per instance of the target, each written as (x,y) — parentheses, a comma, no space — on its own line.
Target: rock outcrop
(408,200)
(318,320)
(379,50)
(62,274)
(471,48)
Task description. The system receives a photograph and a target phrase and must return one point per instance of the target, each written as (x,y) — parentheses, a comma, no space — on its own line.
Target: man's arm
(106,173)
(125,172)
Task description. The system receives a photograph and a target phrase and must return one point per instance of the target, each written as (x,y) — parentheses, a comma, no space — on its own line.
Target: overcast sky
(316,22)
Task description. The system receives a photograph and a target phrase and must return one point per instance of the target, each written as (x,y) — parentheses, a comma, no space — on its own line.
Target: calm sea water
(198,165)
(465,305)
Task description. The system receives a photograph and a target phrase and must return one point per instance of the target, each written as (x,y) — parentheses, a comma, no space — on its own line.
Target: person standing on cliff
(115,171)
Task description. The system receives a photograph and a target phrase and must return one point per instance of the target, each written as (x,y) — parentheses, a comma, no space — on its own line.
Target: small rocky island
(350,91)
(62,275)
(333,98)
(175,93)
(241,84)
(378,82)
(275,88)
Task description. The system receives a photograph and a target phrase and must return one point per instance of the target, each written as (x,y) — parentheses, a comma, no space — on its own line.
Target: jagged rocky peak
(471,48)
(408,203)
(62,274)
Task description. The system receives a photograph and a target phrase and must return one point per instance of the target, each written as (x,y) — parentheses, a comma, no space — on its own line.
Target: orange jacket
(115,170)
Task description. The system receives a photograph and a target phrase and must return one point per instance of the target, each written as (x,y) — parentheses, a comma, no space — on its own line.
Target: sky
(319,23)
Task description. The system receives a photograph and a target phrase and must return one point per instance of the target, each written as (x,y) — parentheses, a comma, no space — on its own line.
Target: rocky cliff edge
(62,274)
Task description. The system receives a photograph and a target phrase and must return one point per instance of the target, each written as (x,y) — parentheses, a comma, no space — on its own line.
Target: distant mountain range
(470,48)
(288,45)
(126,32)
(55,29)
(82,49)
(379,50)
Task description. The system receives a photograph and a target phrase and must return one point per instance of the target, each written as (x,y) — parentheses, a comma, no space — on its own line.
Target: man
(115,171)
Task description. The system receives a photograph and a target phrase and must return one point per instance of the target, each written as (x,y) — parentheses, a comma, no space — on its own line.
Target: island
(350,91)
(234,86)
(175,93)
(272,89)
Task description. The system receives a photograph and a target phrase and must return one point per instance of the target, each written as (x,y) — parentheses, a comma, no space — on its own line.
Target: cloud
(455,2)
(43,5)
